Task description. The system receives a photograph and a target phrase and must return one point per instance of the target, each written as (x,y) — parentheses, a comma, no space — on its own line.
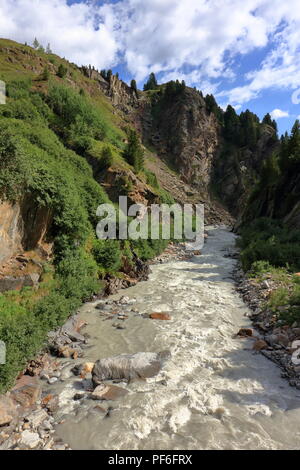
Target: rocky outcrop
(185,134)
(24,227)
(122,96)
(10,230)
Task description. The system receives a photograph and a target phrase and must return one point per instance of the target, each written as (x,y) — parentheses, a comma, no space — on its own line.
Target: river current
(213,392)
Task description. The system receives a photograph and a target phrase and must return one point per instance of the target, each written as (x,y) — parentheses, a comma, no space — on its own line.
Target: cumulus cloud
(278,113)
(199,41)
(164,35)
(280,69)
(81,32)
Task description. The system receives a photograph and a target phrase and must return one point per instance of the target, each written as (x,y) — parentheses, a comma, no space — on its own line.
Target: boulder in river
(244,332)
(128,366)
(159,316)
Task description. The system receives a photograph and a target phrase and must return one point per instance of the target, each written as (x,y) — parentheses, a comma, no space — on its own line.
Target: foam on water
(213,393)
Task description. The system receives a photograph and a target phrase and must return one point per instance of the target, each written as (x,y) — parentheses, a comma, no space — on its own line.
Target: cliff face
(24,241)
(175,124)
(185,134)
(236,170)
(121,95)
(190,140)
(24,226)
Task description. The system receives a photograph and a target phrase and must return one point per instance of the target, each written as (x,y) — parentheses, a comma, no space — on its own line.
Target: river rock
(108,392)
(36,417)
(159,316)
(280,339)
(26,391)
(51,402)
(30,439)
(244,332)
(8,410)
(259,345)
(128,366)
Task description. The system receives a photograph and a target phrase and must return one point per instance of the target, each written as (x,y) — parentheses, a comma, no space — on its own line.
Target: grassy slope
(37,156)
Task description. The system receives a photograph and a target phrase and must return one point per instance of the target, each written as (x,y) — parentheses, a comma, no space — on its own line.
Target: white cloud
(278,113)
(164,35)
(281,67)
(70,29)
(199,41)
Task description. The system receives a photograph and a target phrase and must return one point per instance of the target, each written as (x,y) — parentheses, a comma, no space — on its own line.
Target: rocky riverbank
(27,412)
(272,338)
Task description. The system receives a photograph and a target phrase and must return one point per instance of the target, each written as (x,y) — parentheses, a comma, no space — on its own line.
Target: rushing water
(213,393)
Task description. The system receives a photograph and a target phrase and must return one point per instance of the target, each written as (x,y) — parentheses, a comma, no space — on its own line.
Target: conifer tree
(36,43)
(133,85)
(294,142)
(151,84)
(231,125)
(133,153)
(267,119)
(48,49)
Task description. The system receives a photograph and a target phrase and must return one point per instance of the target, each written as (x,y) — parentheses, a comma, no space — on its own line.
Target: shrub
(62,71)
(133,153)
(107,254)
(22,334)
(107,157)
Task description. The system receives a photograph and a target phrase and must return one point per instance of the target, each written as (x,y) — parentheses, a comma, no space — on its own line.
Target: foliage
(133,85)
(107,253)
(107,157)
(270,241)
(133,152)
(151,83)
(38,135)
(62,71)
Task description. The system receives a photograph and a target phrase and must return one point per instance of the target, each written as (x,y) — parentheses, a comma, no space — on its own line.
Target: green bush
(107,157)
(269,241)
(22,334)
(62,71)
(78,115)
(107,254)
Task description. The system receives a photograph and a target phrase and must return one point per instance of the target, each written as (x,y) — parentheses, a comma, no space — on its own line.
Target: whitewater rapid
(213,393)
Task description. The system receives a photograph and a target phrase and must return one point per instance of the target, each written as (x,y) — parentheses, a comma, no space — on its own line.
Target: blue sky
(245,53)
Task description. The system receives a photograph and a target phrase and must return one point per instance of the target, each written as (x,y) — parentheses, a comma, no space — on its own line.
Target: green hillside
(54,121)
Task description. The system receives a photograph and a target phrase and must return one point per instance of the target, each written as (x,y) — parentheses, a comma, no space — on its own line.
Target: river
(213,392)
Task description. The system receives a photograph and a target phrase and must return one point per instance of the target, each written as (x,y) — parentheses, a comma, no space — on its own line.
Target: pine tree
(248,129)
(109,75)
(48,49)
(267,120)
(294,142)
(231,125)
(212,107)
(284,151)
(151,84)
(133,85)
(133,153)
(36,43)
